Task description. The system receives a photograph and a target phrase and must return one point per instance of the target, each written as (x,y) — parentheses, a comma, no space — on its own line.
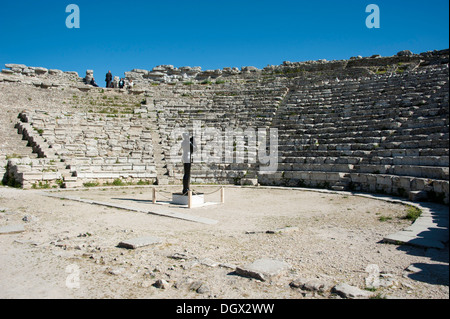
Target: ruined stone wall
(353,68)
(39,76)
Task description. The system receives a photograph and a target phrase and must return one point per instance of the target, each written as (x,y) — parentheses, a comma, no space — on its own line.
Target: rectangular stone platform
(180,199)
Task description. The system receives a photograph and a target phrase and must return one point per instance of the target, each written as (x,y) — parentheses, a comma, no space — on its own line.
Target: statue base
(180,199)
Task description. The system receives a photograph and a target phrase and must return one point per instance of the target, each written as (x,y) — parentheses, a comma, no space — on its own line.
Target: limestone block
(140,71)
(135,243)
(263,269)
(249,69)
(290,174)
(135,160)
(98,175)
(31,176)
(139,167)
(351,292)
(404,182)
(55,72)
(72,73)
(51,176)
(145,175)
(439,186)
(405,53)
(12,80)
(122,159)
(318,176)
(46,85)
(40,70)
(306,176)
(417,184)
(333,176)
(155,75)
(384,180)
(16,66)
(418,195)
(24,168)
(91,152)
(356,177)
(28,72)
(116,149)
(122,167)
(371,182)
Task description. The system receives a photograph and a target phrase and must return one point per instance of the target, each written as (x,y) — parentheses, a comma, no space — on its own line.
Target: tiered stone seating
(385,134)
(379,133)
(90,146)
(235,108)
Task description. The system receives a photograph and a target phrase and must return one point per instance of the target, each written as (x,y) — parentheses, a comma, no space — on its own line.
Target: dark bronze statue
(189,147)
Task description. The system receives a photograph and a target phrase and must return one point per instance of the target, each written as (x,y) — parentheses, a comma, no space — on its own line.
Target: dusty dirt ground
(69,249)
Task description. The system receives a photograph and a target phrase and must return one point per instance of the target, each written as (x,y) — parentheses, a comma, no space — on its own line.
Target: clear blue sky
(127,34)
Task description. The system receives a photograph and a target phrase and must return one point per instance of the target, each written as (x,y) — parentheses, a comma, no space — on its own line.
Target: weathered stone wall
(355,67)
(38,76)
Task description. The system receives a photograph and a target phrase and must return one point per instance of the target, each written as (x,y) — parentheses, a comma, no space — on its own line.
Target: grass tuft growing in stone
(412,213)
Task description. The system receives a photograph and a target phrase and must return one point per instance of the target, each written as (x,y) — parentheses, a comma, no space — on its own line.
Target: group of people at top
(111,84)
(121,84)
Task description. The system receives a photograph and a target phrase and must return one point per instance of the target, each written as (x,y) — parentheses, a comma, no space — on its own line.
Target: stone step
(115,175)
(72,184)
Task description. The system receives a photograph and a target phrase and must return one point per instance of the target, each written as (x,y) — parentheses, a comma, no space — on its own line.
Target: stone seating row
(434,172)
(375,183)
(377,103)
(431,77)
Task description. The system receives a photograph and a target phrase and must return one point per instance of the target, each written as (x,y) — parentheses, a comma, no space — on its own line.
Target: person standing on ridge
(108,79)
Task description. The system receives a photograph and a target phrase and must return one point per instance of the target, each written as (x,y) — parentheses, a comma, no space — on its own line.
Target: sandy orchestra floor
(69,249)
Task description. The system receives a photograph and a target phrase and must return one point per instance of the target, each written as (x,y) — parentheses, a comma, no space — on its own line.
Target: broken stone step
(263,269)
(411,239)
(135,243)
(350,292)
